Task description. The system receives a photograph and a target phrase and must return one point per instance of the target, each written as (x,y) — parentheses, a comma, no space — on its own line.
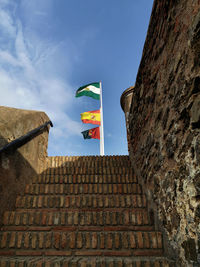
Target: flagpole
(101,127)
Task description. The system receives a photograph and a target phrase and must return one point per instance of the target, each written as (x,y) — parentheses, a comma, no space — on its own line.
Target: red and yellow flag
(92,117)
(92,133)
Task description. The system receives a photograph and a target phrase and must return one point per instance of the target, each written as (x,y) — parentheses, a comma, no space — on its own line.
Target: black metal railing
(25,138)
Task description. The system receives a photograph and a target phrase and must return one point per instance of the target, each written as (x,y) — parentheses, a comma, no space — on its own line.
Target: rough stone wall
(18,167)
(165,125)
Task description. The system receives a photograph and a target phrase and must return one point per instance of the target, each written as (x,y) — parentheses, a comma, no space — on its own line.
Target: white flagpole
(101,127)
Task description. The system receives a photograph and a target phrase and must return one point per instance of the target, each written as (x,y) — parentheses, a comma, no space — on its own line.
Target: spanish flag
(92,117)
(92,133)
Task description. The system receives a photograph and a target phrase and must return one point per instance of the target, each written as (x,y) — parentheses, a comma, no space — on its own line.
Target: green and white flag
(91,89)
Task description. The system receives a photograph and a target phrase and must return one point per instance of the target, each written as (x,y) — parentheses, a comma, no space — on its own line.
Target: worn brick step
(76,217)
(47,261)
(47,240)
(85,253)
(57,161)
(85,179)
(75,228)
(81,201)
(88,170)
(83,189)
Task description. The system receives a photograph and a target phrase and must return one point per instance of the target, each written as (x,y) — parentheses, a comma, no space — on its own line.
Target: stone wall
(164,125)
(17,168)
(125,101)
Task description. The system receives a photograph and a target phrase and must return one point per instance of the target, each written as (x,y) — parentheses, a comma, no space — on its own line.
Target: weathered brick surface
(80,262)
(127,217)
(80,201)
(84,178)
(34,189)
(101,218)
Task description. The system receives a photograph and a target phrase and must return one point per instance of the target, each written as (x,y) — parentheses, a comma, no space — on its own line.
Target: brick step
(46,261)
(85,179)
(78,243)
(92,161)
(72,218)
(87,170)
(75,228)
(83,189)
(81,201)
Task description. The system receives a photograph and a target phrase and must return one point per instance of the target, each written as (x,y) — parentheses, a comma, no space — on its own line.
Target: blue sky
(49,48)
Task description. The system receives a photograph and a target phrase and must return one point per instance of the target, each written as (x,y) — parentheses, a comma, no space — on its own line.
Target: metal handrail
(25,138)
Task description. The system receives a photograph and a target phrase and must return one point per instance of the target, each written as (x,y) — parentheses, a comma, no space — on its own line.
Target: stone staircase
(82,212)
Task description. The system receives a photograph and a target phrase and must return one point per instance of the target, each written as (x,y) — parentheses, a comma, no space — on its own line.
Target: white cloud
(6,23)
(25,81)
(6,57)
